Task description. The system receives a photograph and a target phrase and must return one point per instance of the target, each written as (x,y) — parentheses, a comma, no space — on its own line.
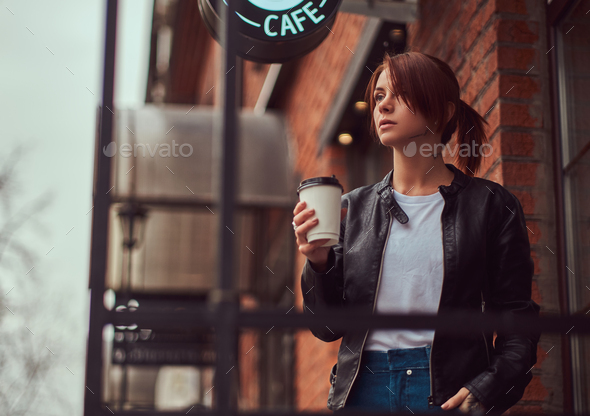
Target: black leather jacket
(487,261)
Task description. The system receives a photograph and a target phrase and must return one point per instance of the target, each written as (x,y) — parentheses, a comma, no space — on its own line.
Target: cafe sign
(275,31)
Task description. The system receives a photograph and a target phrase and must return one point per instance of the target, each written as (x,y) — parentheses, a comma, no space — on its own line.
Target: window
(572,54)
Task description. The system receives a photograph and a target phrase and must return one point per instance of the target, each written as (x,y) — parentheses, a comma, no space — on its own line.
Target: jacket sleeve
(510,273)
(322,291)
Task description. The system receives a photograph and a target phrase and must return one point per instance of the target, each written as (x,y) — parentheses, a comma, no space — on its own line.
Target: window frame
(575,400)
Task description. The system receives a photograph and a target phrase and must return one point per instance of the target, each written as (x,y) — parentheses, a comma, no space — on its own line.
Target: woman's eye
(381,95)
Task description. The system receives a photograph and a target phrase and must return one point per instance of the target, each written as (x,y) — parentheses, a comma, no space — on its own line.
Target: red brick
(494,174)
(536,296)
(452,13)
(509,174)
(489,97)
(455,60)
(512,114)
(517,58)
(488,160)
(486,69)
(435,43)
(518,31)
(428,11)
(248,374)
(473,87)
(493,119)
(431,30)
(450,41)
(484,45)
(485,111)
(541,353)
(509,144)
(511,6)
(463,75)
(469,9)
(519,86)
(475,28)
(535,390)
(519,173)
(517,144)
(490,62)
(528,203)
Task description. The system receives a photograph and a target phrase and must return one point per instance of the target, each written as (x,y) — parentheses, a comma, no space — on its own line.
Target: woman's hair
(426,84)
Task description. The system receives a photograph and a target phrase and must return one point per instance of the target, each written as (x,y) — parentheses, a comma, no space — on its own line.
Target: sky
(51,57)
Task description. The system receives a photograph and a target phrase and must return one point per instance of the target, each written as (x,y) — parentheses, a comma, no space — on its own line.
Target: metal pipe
(224,297)
(471,322)
(100,222)
(274,412)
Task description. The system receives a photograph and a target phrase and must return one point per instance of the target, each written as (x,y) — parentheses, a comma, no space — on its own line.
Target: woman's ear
(450,111)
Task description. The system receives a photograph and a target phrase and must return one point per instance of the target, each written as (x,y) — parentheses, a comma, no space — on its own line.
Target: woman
(428,238)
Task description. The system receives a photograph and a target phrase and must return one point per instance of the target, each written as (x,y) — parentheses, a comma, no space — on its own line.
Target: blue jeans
(396,380)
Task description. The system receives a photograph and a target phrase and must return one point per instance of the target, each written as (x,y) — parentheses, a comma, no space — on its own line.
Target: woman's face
(408,126)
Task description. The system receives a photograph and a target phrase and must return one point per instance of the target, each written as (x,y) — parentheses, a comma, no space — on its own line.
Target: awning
(168,154)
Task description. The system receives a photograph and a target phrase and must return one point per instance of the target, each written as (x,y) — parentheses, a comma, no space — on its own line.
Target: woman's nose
(386,105)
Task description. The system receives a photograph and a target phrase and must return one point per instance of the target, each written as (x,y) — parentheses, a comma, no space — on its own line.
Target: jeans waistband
(399,358)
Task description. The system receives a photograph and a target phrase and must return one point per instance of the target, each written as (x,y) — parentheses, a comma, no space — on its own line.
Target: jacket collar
(385,191)
(459,182)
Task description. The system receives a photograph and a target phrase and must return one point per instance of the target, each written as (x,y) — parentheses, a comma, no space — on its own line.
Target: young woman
(430,237)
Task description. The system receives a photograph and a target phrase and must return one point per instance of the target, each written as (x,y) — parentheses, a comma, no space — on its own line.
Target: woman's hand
(318,256)
(466,401)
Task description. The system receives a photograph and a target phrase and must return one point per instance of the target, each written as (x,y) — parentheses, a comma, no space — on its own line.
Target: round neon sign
(275,5)
(275,31)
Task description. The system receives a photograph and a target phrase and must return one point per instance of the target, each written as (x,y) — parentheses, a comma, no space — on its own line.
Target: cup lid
(320,180)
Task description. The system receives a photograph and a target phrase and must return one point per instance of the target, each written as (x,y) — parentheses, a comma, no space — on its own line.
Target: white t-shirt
(412,274)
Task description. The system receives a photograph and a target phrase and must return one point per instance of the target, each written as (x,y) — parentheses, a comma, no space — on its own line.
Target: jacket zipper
(483,303)
(374,303)
(430,398)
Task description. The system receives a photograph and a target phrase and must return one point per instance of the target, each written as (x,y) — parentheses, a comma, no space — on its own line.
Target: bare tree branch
(22,360)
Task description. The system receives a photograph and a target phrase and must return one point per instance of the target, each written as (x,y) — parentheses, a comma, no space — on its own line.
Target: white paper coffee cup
(323,194)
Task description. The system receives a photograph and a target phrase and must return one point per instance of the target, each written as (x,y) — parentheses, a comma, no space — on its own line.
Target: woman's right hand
(317,255)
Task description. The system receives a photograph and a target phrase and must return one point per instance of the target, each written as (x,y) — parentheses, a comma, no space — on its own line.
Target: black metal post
(224,297)
(100,222)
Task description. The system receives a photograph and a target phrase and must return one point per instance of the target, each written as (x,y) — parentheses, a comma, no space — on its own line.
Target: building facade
(522,64)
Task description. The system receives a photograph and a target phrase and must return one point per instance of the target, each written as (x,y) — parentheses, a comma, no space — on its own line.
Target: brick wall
(497,49)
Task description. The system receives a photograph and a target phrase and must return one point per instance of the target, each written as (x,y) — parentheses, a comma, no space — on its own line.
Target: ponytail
(470,133)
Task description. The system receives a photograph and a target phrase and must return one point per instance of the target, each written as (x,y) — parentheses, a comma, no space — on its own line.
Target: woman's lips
(386,125)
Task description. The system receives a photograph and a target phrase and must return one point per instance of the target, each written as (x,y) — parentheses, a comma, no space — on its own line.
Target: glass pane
(578,215)
(574,82)
(574,33)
